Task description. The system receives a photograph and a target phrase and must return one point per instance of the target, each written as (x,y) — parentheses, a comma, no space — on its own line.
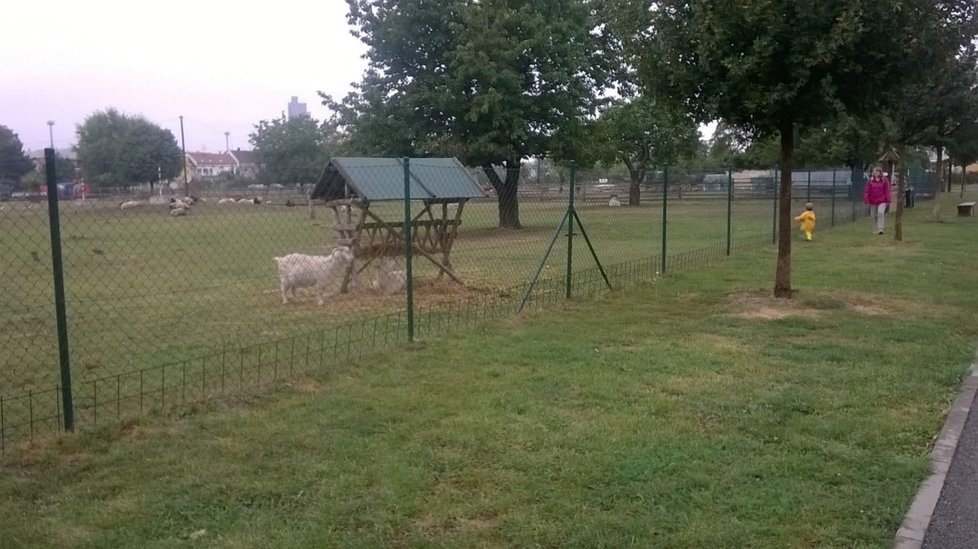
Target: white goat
(129,204)
(614,202)
(226,201)
(390,279)
(254,200)
(177,212)
(303,271)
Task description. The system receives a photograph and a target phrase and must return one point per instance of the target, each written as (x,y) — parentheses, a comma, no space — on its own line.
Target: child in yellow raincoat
(807,220)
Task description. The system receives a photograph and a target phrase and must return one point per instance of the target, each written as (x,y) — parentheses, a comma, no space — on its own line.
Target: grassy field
(144,289)
(693,412)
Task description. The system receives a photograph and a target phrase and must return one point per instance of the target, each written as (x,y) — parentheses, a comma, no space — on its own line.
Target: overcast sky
(222,65)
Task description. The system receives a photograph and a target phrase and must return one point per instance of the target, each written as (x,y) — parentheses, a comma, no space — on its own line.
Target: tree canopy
(14,163)
(491,82)
(115,149)
(642,133)
(770,66)
(292,150)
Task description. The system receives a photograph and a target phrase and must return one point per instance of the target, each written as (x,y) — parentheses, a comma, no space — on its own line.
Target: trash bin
(909,195)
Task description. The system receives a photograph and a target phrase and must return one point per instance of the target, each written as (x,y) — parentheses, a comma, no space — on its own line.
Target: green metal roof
(377,179)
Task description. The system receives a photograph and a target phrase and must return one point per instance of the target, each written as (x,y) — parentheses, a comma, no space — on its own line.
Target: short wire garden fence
(160,310)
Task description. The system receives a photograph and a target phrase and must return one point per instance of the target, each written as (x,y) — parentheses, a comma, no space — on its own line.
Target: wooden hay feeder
(350,185)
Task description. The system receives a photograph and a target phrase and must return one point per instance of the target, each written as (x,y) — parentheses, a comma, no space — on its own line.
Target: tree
(492,82)
(772,66)
(117,150)
(642,133)
(935,107)
(65,168)
(293,150)
(963,148)
(14,163)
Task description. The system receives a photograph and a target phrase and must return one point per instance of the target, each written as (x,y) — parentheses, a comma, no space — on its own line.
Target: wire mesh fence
(173,300)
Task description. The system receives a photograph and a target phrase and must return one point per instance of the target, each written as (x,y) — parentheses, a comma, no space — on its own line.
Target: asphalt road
(954,524)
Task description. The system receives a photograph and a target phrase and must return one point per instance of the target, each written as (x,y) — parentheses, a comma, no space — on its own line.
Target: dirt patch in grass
(755,306)
(764,307)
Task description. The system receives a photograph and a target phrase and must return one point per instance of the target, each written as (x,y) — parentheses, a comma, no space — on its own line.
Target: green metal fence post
(833,197)
(408,248)
(665,211)
(808,194)
(774,223)
(570,232)
(54,219)
(729,208)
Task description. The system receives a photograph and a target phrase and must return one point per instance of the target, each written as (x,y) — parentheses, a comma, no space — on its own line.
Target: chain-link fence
(172,300)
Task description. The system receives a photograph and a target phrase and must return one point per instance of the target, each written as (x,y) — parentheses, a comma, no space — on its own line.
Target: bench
(966,209)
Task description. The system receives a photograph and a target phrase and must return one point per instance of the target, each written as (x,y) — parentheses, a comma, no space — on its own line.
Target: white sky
(222,65)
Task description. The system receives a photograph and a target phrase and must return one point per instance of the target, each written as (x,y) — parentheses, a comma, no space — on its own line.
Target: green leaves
(116,150)
(293,150)
(14,164)
(491,82)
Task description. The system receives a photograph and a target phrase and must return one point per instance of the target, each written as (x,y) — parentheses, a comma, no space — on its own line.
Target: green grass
(144,289)
(694,412)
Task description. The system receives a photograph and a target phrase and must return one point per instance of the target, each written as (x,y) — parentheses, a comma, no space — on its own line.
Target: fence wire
(171,305)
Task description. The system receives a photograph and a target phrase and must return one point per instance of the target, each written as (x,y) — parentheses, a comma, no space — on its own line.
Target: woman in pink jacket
(877,195)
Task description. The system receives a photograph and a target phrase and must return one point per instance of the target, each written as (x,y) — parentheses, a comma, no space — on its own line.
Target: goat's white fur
(176,212)
(226,201)
(390,279)
(303,271)
(129,204)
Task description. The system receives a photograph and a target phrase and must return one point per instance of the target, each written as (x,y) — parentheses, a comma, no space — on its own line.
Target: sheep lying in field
(254,200)
(180,204)
(614,202)
(177,212)
(129,204)
(226,201)
(390,279)
(317,271)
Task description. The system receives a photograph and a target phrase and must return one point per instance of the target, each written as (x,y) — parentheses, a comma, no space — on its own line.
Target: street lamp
(51,131)
(227,147)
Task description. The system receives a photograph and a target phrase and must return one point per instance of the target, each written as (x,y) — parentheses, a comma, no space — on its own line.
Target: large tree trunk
(782,277)
(635,187)
(901,190)
(938,184)
(964,178)
(636,174)
(508,200)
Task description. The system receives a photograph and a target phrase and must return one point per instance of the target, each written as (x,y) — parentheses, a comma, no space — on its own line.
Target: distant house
(246,162)
(203,165)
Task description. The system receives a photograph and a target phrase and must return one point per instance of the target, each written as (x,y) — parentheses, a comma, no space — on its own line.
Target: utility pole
(183,145)
(51,131)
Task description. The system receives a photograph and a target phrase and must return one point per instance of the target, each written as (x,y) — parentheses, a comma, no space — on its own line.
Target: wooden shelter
(350,185)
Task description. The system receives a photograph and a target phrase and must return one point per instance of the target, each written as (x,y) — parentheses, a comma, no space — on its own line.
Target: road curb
(915,523)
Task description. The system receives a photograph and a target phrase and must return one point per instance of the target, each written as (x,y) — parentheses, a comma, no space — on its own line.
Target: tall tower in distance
(296,108)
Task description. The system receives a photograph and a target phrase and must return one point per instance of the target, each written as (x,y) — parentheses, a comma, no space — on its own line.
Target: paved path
(944,513)
(954,524)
